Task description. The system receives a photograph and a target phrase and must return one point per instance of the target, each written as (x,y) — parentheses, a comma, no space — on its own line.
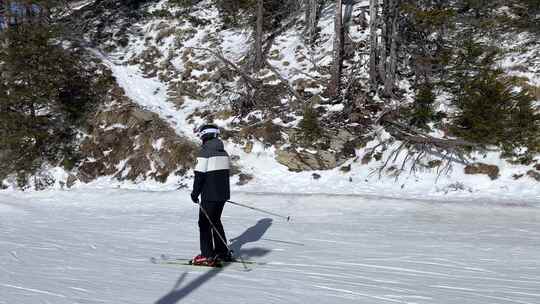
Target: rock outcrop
(330,152)
(131,143)
(480,168)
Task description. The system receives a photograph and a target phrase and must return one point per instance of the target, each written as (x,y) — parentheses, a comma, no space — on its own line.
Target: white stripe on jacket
(213,163)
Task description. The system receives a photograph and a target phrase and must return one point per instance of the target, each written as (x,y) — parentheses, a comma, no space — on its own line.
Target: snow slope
(94,247)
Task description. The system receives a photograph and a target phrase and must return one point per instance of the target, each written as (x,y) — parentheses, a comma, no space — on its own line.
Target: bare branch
(319,81)
(284,81)
(250,80)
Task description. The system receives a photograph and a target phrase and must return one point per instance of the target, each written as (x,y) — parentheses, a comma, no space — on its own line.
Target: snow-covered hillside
(174,40)
(95,247)
(164,62)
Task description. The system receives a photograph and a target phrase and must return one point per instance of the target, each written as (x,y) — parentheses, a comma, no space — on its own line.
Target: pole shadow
(251,235)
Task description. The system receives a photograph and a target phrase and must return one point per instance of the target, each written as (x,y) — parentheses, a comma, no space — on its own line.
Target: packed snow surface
(94,246)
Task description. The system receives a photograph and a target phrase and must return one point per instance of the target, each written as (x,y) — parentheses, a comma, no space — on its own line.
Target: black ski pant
(211,243)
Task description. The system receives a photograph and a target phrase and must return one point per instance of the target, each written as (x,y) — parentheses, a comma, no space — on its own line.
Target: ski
(183,262)
(188,262)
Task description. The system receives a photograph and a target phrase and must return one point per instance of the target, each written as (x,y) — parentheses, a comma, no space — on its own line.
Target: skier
(212,183)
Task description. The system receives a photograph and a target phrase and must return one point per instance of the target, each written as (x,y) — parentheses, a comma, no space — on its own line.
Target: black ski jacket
(212,173)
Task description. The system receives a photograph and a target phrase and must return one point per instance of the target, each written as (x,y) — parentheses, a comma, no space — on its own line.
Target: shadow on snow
(251,235)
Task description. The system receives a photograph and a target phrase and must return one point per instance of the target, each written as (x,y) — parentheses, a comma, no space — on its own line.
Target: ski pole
(219,234)
(288,218)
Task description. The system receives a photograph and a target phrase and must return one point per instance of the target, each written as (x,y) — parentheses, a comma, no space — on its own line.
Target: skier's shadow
(251,235)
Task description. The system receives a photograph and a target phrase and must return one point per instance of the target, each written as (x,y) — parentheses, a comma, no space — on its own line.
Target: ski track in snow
(86,246)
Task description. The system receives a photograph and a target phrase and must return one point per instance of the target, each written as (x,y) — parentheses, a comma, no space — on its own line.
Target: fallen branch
(417,137)
(250,80)
(421,145)
(284,81)
(269,41)
(395,153)
(319,81)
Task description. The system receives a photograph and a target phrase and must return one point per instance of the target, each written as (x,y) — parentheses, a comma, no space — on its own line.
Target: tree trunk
(373,11)
(7,12)
(347,19)
(259,36)
(312,7)
(392,61)
(335,82)
(3,8)
(384,40)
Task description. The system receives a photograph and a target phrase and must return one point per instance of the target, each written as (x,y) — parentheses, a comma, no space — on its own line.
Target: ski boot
(201,260)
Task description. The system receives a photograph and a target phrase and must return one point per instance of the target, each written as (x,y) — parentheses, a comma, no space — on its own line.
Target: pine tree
(422,111)
(493,110)
(309,125)
(46,92)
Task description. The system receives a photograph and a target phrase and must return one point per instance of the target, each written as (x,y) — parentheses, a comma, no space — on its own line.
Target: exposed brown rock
(306,161)
(329,151)
(131,143)
(248,147)
(89,171)
(267,132)
(235,169)
(345,168)
(341,139)
(366,158)
(534,174)
(141,116)
(244,179)
(481,168)
(148,61)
